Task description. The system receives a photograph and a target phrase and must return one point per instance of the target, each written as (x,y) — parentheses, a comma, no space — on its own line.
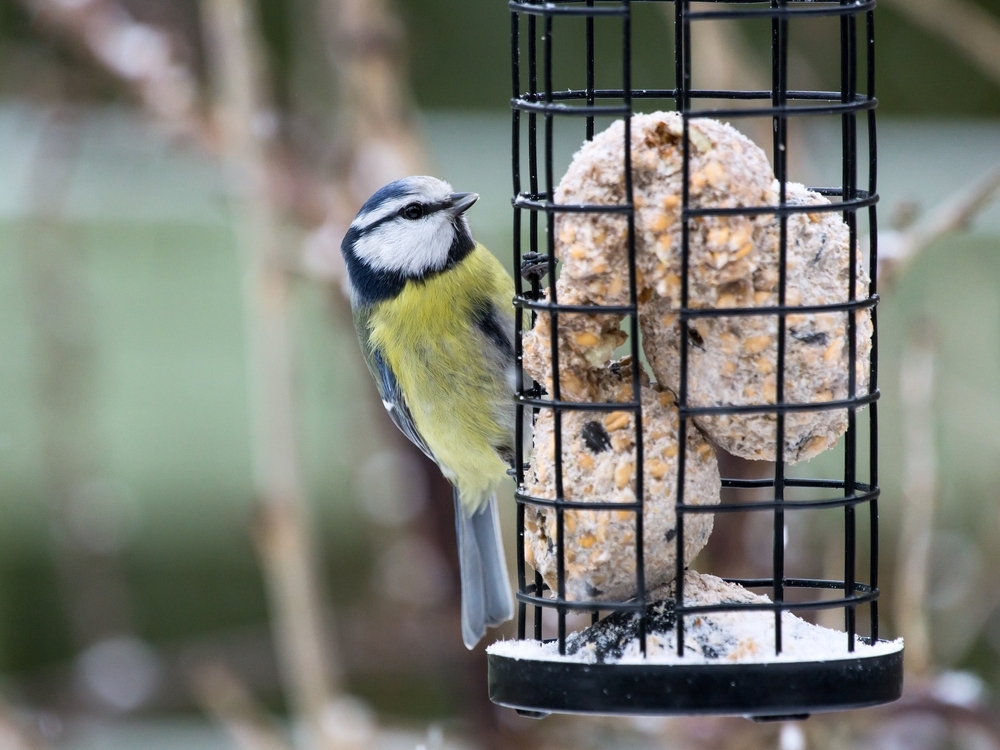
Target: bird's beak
(462,202)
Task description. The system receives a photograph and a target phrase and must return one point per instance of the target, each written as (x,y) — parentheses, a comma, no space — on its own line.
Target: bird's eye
(413,211)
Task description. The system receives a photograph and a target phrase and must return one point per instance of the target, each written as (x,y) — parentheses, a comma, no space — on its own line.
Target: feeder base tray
(758,690)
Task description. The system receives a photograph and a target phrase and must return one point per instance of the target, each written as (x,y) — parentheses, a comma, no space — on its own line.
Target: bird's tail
(486,595)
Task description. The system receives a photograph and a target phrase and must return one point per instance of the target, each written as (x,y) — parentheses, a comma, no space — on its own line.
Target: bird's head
(410,229)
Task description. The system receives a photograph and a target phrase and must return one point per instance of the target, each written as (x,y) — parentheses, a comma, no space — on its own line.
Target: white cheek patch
(408,247)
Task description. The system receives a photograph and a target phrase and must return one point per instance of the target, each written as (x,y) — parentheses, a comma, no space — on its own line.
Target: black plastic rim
(756,690)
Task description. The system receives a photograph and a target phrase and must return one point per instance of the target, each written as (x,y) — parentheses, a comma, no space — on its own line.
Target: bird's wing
(394,401)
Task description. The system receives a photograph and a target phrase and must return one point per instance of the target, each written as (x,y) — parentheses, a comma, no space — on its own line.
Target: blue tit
(434,314)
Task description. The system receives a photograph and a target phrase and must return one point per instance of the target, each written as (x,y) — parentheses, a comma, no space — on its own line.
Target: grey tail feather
(486,594)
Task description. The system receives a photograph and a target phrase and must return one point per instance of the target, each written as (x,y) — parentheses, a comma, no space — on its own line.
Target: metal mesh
(535,24)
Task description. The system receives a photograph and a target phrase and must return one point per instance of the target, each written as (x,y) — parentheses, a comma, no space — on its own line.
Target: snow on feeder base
(604,671)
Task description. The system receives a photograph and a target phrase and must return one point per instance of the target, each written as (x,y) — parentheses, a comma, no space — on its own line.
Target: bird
(434,315)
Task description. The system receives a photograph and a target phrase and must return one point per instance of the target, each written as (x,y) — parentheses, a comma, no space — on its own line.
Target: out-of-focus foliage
(459,53)
(466,65)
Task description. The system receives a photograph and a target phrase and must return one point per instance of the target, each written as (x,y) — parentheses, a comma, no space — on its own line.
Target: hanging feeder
(757,321)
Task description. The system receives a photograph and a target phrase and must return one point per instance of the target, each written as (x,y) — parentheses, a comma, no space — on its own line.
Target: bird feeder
(757,318)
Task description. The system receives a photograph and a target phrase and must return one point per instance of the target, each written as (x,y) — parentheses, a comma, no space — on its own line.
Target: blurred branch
(377,132)
(139,54)
(723,58)
(922,701)
(146,59)
(974,31)
(93,587)
(309,665)
(898,249)
(916,389)
(377,141)
(227,700)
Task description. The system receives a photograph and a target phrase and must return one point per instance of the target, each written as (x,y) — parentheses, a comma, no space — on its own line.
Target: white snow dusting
(741,637)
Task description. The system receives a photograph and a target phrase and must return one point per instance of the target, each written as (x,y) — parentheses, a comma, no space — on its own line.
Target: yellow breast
(459,396)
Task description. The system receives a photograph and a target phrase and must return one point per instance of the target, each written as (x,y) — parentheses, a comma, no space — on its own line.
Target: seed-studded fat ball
(599,464)
(733,261)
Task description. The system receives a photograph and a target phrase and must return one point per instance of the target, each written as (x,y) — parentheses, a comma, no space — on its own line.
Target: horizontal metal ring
(539,202)
(578,94)
(522,498)
(788,11)
(754,484)
(845,601)
(830,502)
(553,108)
(863,200)
(798,583)
(699,411)
(543,403)
(845,403)
(551,9)
(861,103)
(540,601)
(689,313)
(550,103)
(832,484)
(866,594)
(532,304)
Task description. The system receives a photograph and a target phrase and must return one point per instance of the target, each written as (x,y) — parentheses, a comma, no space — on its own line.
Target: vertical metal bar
(590,70)
(532,132)
(682,52)
(779,97)
(679,56)
(556,394)
(873,287)
(848,87)
(537,622)
(515,167)
(640,567)
(533,221)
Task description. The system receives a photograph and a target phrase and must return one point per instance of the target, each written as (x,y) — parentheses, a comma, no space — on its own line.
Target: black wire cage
(773,688)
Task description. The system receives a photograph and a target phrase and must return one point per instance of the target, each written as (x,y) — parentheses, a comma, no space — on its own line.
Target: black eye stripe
(429,208)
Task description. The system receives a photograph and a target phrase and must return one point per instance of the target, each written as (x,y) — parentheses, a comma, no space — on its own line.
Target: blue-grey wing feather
(395,402)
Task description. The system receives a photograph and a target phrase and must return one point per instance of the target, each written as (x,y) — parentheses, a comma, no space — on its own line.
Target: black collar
(371,285)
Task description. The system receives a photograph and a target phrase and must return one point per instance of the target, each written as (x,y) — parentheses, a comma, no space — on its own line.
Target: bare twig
(227,700)
(142,55)
(378,141)
(973,30)
(722,58)
(376,134)
(92,583)
(305,653)
(145,58)
(897,250)
(916,388)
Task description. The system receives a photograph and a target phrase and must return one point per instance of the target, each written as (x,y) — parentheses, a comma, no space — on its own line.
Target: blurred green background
(123,340)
